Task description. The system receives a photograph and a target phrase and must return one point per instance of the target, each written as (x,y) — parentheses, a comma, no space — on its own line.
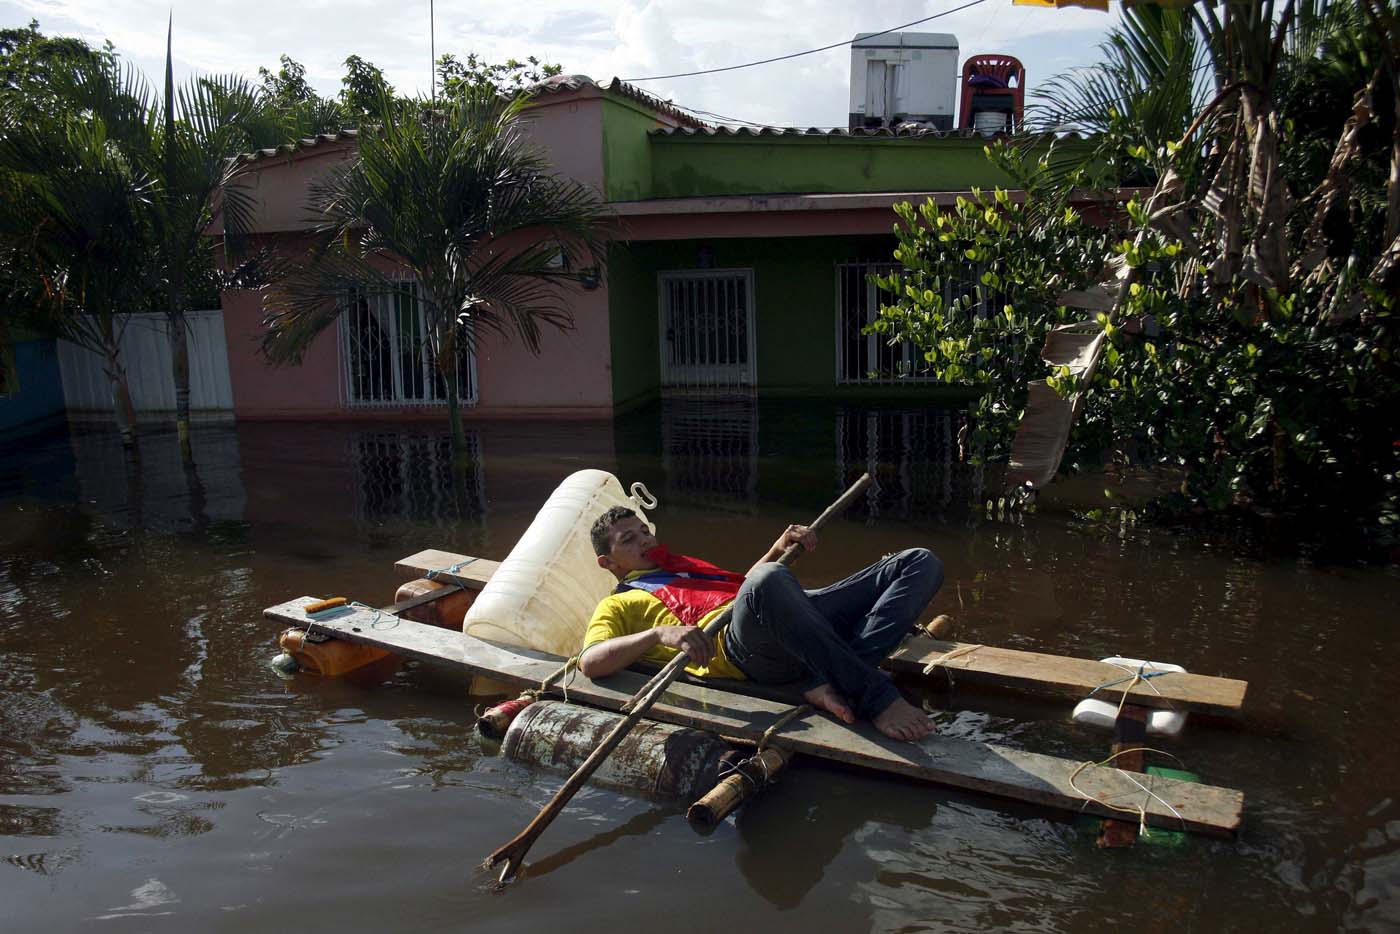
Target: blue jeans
(781,633)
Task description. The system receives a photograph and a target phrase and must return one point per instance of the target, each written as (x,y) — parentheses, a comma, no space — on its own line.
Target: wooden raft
(968,663)
(980,767)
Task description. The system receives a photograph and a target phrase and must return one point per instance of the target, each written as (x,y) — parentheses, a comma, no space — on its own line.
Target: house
(737,265)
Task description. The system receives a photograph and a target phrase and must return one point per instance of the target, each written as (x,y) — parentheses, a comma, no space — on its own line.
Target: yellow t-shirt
(633,611)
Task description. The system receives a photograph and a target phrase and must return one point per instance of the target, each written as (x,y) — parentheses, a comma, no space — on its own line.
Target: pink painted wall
(261,390)
(572,373)
(278,184)
(569,127)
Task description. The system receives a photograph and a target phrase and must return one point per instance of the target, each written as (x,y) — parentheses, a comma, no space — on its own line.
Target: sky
(599,38)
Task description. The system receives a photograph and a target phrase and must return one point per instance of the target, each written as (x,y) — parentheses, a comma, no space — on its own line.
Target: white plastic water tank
(547,587)
(903,77)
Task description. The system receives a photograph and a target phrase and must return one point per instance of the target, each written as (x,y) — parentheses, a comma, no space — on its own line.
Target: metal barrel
(656,759)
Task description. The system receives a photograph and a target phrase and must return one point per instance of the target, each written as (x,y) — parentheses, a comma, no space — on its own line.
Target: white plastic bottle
(547,587)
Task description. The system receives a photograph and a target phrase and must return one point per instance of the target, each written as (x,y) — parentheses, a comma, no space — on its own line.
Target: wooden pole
(1129,733)
(513,853)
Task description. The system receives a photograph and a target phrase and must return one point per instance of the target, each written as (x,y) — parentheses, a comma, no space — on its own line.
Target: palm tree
(186,141)
(73,242)
(456,194)
(1152,79)
(197,180)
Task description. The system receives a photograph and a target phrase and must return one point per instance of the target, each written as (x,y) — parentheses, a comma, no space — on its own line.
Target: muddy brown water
(156,775)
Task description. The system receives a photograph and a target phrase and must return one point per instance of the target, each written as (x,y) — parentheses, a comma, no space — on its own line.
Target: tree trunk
(454,408)
(180,363)
(121,399)
(122,406)
(445,354)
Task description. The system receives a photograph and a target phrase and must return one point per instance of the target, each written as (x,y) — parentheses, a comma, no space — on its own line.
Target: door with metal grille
(707,332)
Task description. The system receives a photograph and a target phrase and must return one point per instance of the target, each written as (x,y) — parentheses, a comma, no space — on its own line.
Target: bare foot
(824,697)
(902,720)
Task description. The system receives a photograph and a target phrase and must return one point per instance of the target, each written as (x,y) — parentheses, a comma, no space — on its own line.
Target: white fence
(145,353)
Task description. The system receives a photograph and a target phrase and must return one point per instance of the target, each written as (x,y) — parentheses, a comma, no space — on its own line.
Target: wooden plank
(1068,677)
(1129,732)
(473,575)
(981,767)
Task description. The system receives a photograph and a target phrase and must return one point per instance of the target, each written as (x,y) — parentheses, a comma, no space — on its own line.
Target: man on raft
(829,641)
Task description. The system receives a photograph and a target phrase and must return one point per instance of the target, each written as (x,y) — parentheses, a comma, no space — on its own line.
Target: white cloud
(629,38)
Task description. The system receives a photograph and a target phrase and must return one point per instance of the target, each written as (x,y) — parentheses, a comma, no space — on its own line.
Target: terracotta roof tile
(617,86)
(287,149)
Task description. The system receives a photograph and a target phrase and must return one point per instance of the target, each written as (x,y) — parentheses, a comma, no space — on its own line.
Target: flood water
(157,775)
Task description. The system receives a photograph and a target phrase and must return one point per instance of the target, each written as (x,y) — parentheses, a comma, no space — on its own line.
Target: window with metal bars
(388,360)
(863,358)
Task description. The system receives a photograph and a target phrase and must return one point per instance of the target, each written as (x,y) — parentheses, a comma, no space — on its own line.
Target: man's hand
(688,639)
(792,535)
(603,658)
(796,535)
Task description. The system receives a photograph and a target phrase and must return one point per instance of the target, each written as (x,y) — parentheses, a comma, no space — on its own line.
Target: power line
(783,58)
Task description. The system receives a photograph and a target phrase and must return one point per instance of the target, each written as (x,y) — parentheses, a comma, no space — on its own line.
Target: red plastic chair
(1004,68)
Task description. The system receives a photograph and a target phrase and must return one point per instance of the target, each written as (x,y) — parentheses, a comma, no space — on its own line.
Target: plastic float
(1099,713)
(657,759)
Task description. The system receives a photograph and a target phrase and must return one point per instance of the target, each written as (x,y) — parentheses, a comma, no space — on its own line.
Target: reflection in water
(911,456)
(733,454)
(793,832)
(638,826)
(710,452)
(141,734)
(411,477)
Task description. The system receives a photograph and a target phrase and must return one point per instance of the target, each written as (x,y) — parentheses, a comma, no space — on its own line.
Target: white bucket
(989,122)
(547,587)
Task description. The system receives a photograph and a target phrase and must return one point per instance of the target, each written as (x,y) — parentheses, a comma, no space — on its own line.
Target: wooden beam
(979,767)
(472,575)
(1068,677)
(1129,732)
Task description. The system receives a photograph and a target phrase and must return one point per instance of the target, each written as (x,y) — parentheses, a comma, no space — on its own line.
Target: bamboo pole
(513,853)
(737,787)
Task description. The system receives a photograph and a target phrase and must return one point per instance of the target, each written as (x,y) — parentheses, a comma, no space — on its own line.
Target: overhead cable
(783,58)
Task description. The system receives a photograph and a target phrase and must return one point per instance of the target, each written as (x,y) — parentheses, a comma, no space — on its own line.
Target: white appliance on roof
(903,77)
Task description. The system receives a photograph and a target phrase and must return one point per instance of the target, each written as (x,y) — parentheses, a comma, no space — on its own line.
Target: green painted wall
(638,164)
(693,166)
(795,311)
(627,156)
(636,358)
